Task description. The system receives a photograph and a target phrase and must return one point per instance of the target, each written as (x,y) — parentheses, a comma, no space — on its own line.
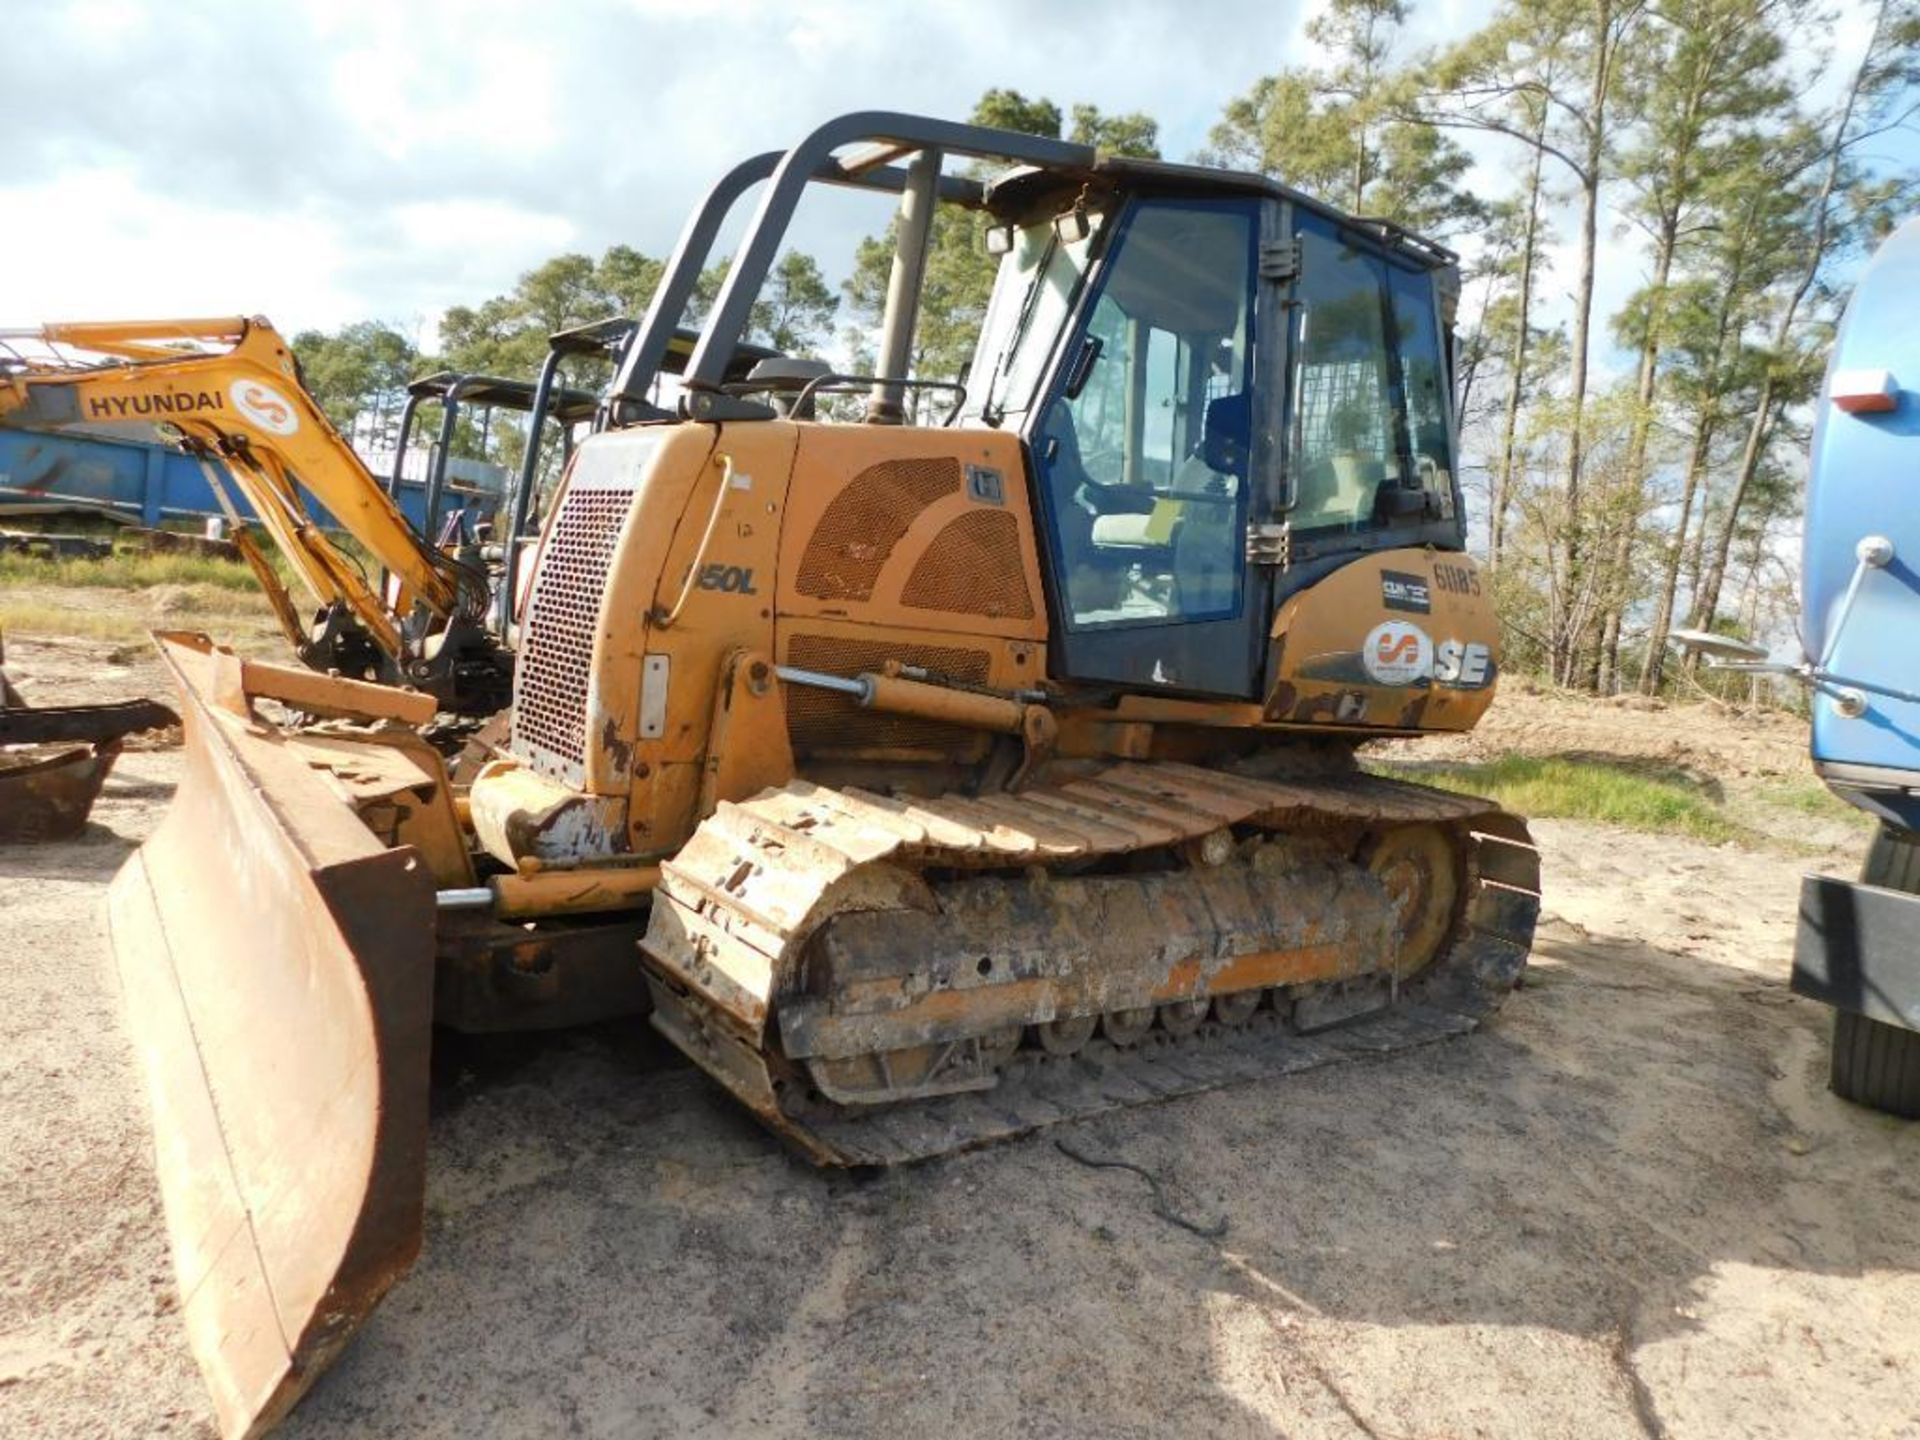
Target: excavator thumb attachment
(277,962)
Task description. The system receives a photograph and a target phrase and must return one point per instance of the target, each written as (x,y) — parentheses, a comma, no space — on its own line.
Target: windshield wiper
(991,409)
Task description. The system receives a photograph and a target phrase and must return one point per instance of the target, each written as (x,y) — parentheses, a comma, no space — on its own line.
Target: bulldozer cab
(1213,367)
(1222,386)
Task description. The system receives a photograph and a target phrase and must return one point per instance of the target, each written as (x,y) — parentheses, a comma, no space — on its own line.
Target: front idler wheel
(1417,867)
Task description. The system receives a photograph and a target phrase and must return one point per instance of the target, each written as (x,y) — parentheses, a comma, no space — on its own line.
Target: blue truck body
(152,482)
(1858,947)
(1865,481)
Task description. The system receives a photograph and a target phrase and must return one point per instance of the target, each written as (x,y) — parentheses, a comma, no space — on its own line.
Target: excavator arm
(228,389)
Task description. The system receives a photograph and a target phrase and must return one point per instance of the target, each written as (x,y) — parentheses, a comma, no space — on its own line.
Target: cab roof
(1016,191)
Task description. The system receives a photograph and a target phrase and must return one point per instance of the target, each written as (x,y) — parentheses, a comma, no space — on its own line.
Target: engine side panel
(708,570)
(1400,640)
(908,544)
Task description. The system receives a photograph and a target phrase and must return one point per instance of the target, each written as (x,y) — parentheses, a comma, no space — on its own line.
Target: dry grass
(126,570)
(130,615)
(28,617)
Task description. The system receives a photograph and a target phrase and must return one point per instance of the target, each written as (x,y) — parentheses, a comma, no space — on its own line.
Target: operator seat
(1206,540)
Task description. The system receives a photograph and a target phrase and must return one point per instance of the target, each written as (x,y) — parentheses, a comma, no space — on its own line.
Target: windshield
(1032,297)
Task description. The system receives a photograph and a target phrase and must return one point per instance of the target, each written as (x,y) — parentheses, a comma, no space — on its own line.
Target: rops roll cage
(718,354)
(884,138)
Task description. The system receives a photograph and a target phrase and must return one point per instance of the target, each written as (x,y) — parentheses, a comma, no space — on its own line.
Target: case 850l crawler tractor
(929,779)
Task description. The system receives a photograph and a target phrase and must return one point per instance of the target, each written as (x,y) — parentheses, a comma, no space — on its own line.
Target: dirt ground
(1709,740)
(1630,1207)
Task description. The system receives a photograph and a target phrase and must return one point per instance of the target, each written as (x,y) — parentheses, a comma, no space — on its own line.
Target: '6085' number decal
(732,579)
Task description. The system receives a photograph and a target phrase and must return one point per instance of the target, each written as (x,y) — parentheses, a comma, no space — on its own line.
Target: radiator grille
(865,521)
(973,568)
(563,613)
(822,720)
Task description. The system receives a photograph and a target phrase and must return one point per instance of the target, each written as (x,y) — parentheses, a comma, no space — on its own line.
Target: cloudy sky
(335,160)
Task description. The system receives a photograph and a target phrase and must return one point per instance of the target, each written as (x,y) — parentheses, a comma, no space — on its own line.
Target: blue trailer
(156,483)
(1858,946)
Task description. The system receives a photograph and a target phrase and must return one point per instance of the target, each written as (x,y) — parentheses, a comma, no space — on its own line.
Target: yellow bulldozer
(981,759)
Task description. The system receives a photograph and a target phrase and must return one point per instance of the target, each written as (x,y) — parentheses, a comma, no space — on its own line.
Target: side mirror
(1000,239)
(1074,226)
(1396,502)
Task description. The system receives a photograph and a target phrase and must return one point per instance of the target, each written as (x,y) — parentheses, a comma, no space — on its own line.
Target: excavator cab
(979,760)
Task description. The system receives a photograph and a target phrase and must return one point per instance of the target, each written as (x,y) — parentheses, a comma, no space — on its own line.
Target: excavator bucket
(277,961)
(53,760)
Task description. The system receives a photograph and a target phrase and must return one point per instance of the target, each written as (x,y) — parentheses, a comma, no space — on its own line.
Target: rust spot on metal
(58,759)
(617,748)
(1258,970)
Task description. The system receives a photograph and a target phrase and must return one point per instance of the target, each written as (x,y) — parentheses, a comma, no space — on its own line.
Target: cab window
(1369,425)
(1145,444)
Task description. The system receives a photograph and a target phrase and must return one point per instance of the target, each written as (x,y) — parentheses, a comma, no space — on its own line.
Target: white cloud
(332,160)
(97,244)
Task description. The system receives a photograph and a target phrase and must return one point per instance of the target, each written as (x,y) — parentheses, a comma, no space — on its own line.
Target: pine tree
(1337,134)
(1561,60)
(1706,73)
(1844,212)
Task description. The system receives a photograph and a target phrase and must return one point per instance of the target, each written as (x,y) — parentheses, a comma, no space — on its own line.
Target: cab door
(1146,454)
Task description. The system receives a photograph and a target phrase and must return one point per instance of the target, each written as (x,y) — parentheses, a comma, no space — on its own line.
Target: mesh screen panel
(865,521)
(556,641)
(973,568)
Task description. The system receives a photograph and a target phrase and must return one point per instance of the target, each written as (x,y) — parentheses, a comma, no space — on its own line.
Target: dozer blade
(278,968)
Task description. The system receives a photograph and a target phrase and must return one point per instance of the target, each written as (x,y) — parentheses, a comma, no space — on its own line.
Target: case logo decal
(1397,652)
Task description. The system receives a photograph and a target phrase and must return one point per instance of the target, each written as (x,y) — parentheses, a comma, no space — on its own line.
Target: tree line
(1620,502)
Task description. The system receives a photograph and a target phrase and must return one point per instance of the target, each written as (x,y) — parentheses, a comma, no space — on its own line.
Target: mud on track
(1628,1207)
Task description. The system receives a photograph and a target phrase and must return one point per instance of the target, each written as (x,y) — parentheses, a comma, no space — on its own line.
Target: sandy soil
(1630,1207)
(1705,739)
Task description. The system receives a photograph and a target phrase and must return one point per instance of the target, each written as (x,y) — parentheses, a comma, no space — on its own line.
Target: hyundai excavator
(229,390)
(982,763)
